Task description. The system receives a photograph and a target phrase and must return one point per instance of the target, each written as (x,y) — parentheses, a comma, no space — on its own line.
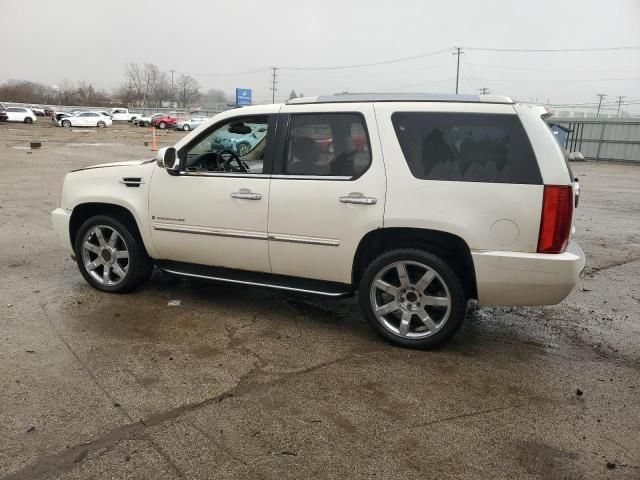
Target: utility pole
(484,91)
(458,53)
(172,94)
(274,76)
(602,96)
(619,104)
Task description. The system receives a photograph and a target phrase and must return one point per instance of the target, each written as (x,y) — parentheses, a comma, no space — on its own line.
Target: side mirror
(167,158)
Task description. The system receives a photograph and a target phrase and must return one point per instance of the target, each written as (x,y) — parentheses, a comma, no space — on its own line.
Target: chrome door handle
(358,199)
(246,195)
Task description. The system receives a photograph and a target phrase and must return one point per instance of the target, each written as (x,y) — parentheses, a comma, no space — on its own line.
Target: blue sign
(243,96)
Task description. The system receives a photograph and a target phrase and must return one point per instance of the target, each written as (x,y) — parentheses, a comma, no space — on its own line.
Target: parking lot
(238,382)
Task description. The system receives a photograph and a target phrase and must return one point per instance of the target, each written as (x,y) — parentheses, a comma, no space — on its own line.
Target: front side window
(236,146)
(468,147)
(327,144)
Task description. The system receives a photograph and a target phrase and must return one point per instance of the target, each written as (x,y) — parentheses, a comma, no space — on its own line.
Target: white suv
(418,203)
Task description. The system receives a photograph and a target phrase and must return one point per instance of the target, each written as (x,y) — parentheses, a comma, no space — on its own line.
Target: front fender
(104,186)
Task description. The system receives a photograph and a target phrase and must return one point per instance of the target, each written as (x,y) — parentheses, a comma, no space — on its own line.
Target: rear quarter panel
(487,216)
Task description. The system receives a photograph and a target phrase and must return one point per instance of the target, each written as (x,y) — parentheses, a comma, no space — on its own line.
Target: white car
(20,114)
(145,121)
(416,203)
(123,115)
(190,123)
(85,119)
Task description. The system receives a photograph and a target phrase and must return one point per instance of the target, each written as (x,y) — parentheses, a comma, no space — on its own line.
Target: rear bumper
(514,278)
(60,219)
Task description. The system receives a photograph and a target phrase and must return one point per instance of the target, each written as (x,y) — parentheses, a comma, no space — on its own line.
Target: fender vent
(131,181)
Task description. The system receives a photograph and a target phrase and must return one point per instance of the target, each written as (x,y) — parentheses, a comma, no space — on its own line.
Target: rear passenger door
(327,189)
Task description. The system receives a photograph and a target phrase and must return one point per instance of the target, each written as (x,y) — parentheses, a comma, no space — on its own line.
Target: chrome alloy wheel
(105,255)
(410,299)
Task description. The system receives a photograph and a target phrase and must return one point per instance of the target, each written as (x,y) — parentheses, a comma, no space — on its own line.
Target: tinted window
(328,144)
(467,147)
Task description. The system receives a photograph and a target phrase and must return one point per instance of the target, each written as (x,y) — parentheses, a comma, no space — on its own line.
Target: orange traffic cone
(154,146)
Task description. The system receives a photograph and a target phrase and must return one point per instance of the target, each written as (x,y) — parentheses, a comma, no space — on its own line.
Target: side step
(256,279)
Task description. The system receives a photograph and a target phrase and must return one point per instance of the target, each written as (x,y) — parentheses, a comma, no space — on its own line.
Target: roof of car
(400,97)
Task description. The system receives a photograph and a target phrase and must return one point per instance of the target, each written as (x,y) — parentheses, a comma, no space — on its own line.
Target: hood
(128,163)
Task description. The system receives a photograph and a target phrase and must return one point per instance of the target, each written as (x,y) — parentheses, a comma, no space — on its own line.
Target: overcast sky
(49,41)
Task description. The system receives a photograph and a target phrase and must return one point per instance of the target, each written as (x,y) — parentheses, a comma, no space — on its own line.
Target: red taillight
(555,225)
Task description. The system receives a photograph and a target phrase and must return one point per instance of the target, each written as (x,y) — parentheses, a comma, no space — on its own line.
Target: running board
(256,279)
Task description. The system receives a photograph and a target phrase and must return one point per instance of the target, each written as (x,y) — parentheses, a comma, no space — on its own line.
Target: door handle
(244,194)
(358,199)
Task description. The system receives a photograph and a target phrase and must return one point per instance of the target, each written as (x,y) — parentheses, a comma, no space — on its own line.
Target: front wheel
(162,125)
(412,298)
(66,123)
(101,124)
(186,127)
(28,120)
(111,255)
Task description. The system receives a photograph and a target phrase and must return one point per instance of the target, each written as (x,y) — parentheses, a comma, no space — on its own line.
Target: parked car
(167,120)
(38,110)
(123,115)
(451,198)
(190,123)
(3,113)
(85,119)
(49,111)
(240,141)
(147,121)
(20,114)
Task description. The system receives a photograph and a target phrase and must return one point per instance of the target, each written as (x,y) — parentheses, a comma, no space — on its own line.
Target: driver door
(214,211)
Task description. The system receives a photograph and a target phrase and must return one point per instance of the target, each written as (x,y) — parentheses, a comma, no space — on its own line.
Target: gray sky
(49,41)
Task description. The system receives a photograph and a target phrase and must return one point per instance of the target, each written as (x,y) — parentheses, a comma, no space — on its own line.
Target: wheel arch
(453,249)
(84,211)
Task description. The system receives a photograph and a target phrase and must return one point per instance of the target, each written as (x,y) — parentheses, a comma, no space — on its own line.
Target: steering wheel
(226,157)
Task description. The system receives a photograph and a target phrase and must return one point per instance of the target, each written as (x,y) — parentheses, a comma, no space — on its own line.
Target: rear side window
(327,144)
(467,147)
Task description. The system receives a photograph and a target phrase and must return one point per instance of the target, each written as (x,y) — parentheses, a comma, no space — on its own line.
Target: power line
(559,80)
(360,65)
(547,50)
(248,72)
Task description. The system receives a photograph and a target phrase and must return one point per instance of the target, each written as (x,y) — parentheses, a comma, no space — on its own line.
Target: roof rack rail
(400,97)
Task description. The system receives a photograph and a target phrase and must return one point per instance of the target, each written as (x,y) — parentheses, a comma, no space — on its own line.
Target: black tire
(139,264)
(101,124)
(28,120)
(66,123)
(446,276)
(186,127)
(146,124)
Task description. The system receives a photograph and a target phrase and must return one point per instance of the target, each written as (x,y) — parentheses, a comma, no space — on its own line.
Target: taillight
(557,213)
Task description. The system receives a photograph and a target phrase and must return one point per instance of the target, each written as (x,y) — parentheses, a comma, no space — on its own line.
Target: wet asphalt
(239,382)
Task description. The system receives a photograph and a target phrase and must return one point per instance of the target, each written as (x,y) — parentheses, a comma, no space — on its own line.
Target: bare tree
(187,91)
(292,95)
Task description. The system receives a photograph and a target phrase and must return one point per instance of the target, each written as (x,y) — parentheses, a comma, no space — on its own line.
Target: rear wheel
(162,125)
(28,120)
(111,255)
(412,298)
(101,124)
(186,127)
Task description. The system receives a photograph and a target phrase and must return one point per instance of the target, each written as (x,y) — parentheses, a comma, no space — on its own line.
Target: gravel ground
(239,382)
